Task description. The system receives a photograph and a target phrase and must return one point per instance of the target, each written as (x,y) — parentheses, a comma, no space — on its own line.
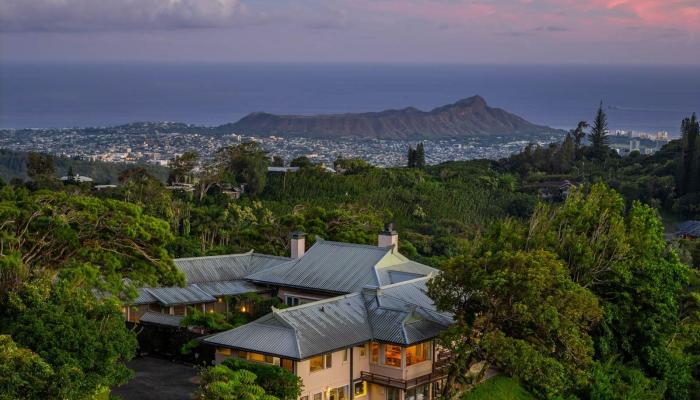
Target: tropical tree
(222,383)
(182,167)
(599,135)
(518,311)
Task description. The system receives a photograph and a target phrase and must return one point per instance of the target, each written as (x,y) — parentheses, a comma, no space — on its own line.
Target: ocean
(641,98)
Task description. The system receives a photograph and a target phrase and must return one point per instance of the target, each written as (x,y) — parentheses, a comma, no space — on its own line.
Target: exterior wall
(322,381)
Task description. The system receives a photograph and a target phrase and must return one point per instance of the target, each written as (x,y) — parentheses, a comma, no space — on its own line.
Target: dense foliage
(275,380)
(223,383)
(586,298)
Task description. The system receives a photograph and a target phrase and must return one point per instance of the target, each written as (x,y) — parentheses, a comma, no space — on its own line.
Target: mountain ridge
(470,116)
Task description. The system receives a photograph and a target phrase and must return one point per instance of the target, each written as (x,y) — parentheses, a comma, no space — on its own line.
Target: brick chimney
(298,244)
(388,237)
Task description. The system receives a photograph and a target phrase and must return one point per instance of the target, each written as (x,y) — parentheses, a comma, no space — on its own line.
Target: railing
(439,372)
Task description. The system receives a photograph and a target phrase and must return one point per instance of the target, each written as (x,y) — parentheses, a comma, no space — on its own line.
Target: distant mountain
(467,117)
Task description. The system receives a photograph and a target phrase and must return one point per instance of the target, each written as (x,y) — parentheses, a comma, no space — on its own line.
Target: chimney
(388,237)
(298,244)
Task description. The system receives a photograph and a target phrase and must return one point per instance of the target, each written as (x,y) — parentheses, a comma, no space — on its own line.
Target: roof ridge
(410,281)
(361,245)
(248,253)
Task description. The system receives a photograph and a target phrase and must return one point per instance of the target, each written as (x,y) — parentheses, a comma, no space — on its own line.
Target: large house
(359,324)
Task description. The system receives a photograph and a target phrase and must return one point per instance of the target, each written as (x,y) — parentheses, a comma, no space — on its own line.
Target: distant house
(282,170)
(688,229)
(76,178)
(554,189)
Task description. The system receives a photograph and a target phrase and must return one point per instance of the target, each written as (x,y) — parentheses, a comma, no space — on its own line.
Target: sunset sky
(384,31)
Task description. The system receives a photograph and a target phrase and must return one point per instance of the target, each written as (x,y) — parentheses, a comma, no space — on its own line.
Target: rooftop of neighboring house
(399,313)
(689,228)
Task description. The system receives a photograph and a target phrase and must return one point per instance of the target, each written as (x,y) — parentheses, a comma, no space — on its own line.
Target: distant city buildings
(132,146)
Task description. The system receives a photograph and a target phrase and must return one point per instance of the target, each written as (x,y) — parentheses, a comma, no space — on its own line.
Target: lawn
(499,388)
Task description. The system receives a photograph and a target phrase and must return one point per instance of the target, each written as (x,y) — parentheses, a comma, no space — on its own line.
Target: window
(393,394)
(375,353)
(224,351)
(418,353)
(318,396)
(288,365)
(292,301)
(363,351)
(345,355)
(359,388)
(340,393)
(419,393)
(392,355)
(180,310)
(320,362)
(304,398)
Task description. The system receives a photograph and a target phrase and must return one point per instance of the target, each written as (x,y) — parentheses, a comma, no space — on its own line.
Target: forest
(582,294)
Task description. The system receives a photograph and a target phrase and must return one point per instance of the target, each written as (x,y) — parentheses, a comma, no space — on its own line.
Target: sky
(356,31)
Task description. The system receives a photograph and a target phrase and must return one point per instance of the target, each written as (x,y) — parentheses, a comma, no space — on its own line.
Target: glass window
(418,353)
(419,393)
(340,393)
(224,351)
(256,357)
(392,355)
(316,364)
(393,394)
(318,396)
(363,351)
(359,388)
(292,301)
(304,398)
(320,362)
(288,364)
(345,355)
(375,353)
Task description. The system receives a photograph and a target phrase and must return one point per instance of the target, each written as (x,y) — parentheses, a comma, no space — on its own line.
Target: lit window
(418,353)
(318,396)
(392,355)
(363,351)
(224,351)
(375,353)
(359,388)
(320,362)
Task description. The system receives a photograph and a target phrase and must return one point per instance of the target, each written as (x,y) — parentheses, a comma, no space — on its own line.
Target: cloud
(114,15)
(551,28)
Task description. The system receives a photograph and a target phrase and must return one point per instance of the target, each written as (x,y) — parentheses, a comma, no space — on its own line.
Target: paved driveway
(157,379)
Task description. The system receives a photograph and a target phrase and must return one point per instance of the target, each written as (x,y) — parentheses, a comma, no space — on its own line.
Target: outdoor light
(243,309)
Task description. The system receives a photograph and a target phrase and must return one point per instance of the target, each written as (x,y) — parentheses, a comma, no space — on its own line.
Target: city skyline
(365,31)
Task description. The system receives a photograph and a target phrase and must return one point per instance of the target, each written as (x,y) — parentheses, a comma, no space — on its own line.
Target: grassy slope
(499,388)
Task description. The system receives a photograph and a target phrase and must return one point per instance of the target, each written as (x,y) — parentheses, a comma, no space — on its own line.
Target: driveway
(157,379)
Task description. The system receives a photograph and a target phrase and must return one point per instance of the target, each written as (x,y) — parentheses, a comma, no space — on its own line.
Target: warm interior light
(243,309)
(220,300)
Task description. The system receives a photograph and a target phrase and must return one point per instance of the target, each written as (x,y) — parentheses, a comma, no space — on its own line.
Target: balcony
(440,369)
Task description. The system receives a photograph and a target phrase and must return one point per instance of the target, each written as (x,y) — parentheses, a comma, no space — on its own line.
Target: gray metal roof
(329,266)
(689,228)
(161,319)
(405,271)
(170,296)
(260,337)
(225,268)
(227,288)
(387,314)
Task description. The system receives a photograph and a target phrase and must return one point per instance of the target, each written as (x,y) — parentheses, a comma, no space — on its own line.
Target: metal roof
(259,337)
(689,228)
(227,288)
(388,314)
(161,319)
(170,296)
(226,267)
(330,266)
